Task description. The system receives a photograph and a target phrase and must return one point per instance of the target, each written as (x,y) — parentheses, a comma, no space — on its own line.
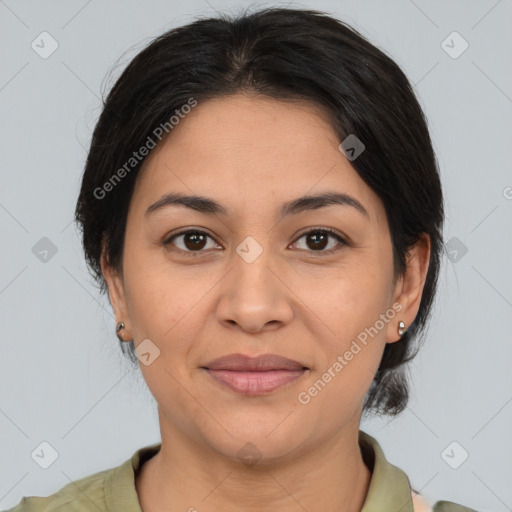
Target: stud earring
(401,328)
(119,328)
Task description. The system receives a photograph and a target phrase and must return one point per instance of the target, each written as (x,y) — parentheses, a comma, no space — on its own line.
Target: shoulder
(80,495)
(107,490)
(449,506)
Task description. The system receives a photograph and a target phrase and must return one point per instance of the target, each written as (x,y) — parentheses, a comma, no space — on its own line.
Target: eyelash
(326,231)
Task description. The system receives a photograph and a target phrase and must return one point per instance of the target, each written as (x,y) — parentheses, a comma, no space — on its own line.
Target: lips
(254,375)
(263,363)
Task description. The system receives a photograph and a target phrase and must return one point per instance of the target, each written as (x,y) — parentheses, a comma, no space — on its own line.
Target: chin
(254,446)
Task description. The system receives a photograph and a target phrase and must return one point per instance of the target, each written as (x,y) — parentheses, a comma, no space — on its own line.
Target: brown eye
(190,241)
(318,239)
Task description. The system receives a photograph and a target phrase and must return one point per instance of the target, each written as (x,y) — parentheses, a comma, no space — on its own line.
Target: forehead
(249,150)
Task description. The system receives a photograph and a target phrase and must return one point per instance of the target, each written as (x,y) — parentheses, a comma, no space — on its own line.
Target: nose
(254,295)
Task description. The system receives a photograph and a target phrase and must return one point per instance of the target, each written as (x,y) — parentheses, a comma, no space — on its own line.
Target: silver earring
(401,328)
(119,328)
(127,346)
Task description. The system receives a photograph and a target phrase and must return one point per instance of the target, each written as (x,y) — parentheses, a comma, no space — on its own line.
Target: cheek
(353,299)
(157,297)
(352,345)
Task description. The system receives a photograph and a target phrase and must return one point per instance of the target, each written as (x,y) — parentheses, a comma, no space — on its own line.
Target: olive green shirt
(113,490)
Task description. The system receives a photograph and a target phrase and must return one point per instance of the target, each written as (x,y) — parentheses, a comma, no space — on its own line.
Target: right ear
(116,293)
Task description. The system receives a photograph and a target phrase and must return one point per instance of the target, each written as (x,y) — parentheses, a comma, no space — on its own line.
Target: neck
(184,476)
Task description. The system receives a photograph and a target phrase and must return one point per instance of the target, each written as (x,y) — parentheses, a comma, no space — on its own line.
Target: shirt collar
(120,490)
(389,486)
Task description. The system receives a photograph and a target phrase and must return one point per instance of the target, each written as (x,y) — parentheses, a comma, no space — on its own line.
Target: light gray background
(62,377)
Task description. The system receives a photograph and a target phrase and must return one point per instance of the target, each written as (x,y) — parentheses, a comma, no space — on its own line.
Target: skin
(251,154)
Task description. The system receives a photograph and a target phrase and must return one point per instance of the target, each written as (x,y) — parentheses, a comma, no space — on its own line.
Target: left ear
(409,288)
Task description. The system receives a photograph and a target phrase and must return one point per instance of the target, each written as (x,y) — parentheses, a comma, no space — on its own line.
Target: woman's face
(255,282)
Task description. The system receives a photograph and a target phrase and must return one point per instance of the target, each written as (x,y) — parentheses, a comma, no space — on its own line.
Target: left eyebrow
(208,206)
